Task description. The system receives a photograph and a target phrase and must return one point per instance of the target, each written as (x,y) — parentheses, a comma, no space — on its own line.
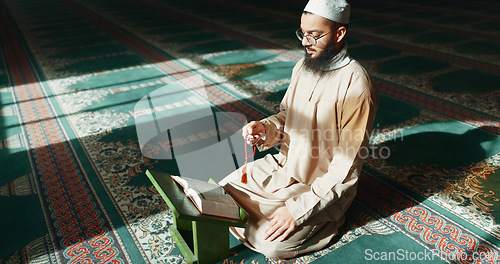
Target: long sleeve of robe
(328,124)
(322,127)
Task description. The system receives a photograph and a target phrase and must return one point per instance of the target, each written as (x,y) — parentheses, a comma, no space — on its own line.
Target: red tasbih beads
(244,169)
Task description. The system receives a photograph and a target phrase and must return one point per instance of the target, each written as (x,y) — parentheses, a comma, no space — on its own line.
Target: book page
(195,197)
(216,197)
(202,187)
(209,198)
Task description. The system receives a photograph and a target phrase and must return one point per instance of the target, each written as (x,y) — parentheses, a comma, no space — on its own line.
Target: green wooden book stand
(200,238)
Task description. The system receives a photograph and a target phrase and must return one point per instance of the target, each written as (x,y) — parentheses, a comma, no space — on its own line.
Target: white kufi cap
(334,10)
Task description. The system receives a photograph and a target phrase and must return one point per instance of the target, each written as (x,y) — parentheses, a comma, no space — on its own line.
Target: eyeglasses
(310,38)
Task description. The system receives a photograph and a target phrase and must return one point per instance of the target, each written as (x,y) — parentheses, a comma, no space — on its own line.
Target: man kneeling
(297,198)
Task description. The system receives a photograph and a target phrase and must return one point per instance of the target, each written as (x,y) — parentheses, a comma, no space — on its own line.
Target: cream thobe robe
(322,125)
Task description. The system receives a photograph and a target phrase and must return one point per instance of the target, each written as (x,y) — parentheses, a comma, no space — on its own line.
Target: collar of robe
(341,59)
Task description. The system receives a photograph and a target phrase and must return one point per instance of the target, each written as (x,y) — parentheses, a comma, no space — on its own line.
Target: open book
(209,198)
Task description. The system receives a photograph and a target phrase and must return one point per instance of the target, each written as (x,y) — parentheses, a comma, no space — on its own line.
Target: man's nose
(305,42)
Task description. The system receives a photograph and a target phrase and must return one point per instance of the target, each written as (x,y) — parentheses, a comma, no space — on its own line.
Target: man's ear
(341,31)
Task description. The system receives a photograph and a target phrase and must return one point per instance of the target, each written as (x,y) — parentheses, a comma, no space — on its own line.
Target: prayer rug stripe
(440,28)
(423,223)
(437,9)
(77,222)
(220,97)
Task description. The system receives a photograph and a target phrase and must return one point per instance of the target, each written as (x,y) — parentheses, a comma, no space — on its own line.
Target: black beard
(320,64)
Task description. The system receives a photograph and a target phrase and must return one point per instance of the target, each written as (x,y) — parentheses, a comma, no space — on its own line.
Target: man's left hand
(281,224)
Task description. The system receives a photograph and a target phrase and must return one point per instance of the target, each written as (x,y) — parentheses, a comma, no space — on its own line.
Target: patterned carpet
(73,187)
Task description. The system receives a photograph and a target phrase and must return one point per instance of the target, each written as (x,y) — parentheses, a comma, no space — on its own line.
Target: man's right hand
(253,132)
